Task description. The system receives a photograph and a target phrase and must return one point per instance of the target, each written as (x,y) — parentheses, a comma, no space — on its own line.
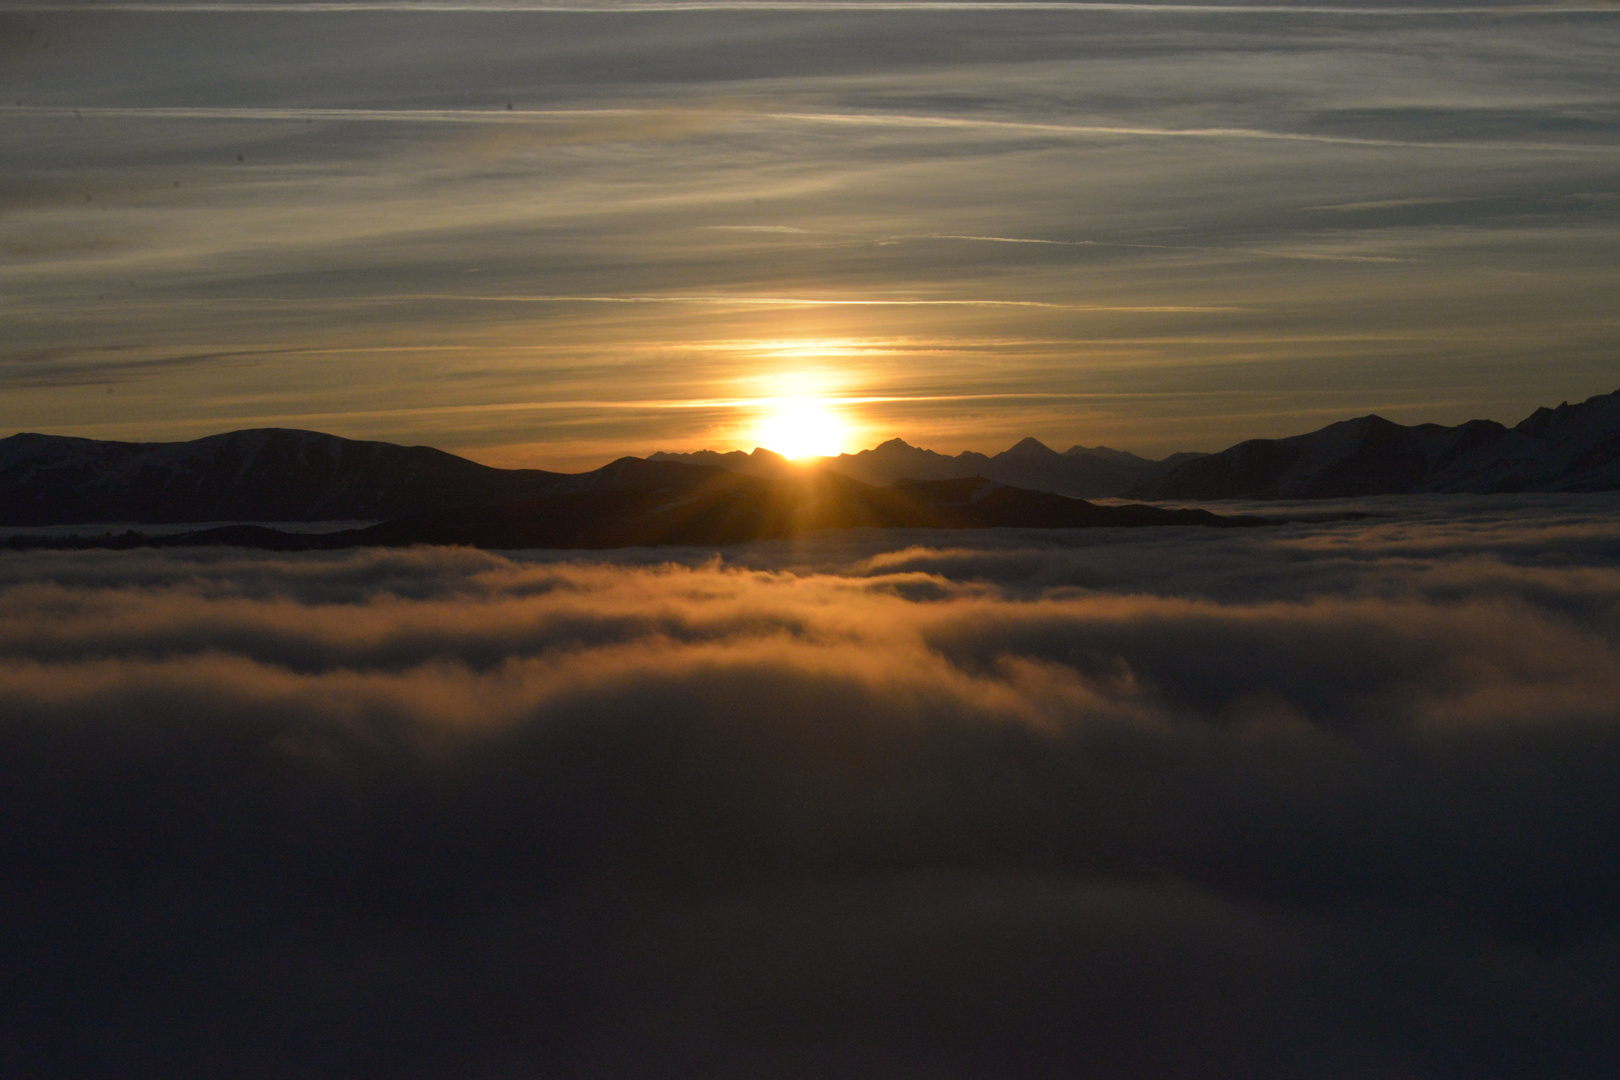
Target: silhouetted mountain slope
(1570,448)
(657,503)
(1082,472)
(899,460)
(761,462)
(636,503)
(267,474)
(274,474)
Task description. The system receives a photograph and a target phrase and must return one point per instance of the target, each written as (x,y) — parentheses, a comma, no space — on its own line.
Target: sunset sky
(1329,799)
(551,234)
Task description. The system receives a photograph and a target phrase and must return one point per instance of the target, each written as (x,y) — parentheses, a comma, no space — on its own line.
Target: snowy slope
(1570,448)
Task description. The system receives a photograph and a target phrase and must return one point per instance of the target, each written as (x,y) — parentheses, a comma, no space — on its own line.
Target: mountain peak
(1031,447)
(1031,464)
(1107,453)
(1570,448)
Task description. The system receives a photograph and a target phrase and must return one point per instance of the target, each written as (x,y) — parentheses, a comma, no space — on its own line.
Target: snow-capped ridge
(1570,448)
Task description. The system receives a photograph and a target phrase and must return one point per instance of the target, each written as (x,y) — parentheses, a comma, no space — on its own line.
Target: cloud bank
(1336,800)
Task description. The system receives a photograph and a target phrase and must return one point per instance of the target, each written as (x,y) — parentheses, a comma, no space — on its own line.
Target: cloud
(1175,164)
(107,364)
(826,808)
(477,7)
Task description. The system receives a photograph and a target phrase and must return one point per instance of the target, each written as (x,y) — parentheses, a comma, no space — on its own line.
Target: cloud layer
(1334,800)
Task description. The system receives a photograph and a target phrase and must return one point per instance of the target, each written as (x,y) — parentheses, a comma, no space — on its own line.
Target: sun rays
(802,427)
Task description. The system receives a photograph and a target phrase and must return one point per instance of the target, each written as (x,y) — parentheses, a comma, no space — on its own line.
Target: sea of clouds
(1331,799)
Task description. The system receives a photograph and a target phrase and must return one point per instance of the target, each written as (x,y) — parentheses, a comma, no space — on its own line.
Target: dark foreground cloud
(830,809)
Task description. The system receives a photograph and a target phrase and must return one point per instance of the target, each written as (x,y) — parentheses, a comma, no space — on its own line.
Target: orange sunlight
(802,427)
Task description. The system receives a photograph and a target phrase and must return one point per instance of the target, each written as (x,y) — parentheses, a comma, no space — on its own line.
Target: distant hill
(265,474)
(1081,472)
(1570,448)
(636,503)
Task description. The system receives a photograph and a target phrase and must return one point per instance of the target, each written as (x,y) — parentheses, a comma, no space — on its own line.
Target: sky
(1330,800)
(551,234)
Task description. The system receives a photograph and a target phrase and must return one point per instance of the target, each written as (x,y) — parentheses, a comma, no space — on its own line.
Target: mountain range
(638,503)
(1570,448)
(1080,472)
(282,475)
(265,474)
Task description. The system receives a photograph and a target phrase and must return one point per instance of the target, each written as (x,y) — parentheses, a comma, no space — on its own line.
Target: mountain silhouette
(637,503)
(276,474)
(1081,472)
(1570,448)
(264,474)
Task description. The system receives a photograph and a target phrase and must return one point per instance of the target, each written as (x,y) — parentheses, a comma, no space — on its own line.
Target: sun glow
(802,427)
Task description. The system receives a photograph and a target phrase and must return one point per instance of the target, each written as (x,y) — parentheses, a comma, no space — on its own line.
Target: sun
(802,427)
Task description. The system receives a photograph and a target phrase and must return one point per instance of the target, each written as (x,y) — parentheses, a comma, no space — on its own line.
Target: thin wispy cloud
(1261,253)
(1105,131)
(805,301)
(788,6)
(1009,127)
(1142,186)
